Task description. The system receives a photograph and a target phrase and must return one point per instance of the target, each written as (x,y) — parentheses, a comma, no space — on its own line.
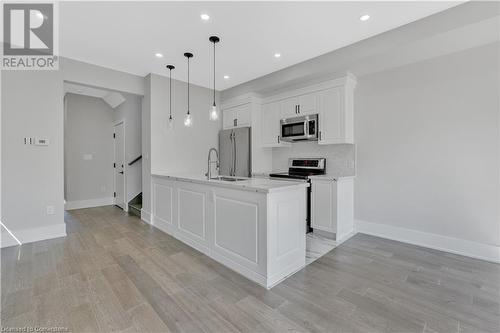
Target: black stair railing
(135,160)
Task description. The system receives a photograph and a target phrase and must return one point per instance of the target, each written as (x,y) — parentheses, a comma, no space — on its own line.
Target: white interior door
(119,169)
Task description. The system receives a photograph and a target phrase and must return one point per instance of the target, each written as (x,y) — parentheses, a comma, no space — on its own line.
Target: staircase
(135,205)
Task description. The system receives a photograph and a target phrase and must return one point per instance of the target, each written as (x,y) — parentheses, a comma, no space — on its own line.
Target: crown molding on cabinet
(348,80)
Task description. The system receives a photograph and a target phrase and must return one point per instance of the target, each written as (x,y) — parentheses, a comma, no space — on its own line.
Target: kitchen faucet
(209,171)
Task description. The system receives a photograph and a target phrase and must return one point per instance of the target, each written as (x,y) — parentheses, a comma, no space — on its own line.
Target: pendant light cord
(214,73)
(188,85)
(170,99)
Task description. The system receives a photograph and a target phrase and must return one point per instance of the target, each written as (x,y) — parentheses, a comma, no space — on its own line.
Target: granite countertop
(264,185)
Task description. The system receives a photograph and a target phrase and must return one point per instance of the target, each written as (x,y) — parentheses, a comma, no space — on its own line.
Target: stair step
(134,211)
(137,206)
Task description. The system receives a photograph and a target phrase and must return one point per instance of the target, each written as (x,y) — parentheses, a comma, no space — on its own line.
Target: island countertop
(263,185)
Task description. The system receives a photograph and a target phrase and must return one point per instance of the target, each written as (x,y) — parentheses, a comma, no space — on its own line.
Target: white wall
(32,176)
(428,146)
(340,159)
(426,128)
(130,112)
(88,131)
(182,149)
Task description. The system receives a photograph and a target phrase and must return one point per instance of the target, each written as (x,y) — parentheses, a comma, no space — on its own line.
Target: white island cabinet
(254,226)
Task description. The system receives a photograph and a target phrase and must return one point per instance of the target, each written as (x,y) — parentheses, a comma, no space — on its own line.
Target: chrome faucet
(209,171)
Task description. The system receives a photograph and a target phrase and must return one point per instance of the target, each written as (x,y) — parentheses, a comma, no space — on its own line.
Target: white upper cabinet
(332,118)
(331,100)
(271,114)
(308,104)
(299,106)
(237,116)
(289,107)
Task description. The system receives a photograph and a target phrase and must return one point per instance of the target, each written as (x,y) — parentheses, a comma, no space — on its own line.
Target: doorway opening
(102,148)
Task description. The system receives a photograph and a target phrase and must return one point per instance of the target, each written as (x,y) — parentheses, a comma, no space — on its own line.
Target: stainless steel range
(303,168)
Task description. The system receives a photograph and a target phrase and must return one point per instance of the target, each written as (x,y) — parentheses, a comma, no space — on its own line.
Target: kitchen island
(255,226)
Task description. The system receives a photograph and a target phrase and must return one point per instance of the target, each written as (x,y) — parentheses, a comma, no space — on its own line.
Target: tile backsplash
(340,158)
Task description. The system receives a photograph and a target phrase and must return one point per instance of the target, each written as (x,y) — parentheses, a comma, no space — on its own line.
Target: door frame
(125,202)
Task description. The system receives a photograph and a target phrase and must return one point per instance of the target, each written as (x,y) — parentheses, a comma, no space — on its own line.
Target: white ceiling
(126,35)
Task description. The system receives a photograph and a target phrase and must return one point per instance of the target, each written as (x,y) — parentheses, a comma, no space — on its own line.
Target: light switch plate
(41,142)
(50,210)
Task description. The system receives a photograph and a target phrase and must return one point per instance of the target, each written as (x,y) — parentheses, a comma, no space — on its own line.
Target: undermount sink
(228,179)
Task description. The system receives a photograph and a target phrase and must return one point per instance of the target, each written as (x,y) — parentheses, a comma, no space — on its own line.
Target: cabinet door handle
(278,139)
(320,135)
(296,112)
(298,109)
(235,122)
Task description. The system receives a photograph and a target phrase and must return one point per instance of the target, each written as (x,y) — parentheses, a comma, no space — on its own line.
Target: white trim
(79,204)
(433,241)
(241,100)
(146,216)
(347,79)
(344,237)
(7,238)
(40,234)
(125,164)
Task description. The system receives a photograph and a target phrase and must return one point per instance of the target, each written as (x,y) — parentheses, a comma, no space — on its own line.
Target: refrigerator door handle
(232,158)
(234,155)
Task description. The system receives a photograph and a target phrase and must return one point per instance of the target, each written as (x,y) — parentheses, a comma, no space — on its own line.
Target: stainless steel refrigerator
(234,152)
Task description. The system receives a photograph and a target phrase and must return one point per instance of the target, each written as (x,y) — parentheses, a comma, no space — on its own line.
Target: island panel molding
(191,212)
(163,212)
(240,218)
(256,228)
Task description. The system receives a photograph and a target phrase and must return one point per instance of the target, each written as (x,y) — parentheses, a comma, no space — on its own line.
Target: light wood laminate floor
(115,273)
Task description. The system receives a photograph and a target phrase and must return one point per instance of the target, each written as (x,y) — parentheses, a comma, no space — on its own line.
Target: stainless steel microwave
(301,128)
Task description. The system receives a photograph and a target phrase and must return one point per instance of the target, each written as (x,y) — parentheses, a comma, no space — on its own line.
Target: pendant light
(213,113)
(188,121)
(170,119)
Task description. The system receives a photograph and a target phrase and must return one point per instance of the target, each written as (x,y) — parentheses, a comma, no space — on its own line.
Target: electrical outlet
(50,210)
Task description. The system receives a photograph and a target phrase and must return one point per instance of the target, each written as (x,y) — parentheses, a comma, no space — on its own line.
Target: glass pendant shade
(188,120)
(213,113)
(170,122)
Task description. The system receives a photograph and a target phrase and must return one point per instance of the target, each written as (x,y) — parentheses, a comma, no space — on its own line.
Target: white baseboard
(6,239)
(342,238)
(146,216)
(79,204)
(39,234)
(433,241)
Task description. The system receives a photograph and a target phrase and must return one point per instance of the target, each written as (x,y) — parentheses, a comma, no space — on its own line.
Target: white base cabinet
(332,206)
(259,235)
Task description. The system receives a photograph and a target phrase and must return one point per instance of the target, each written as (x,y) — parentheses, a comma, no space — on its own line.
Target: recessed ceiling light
(226,77)
(365,17)
(205,17)
(277,55)
(158,55)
